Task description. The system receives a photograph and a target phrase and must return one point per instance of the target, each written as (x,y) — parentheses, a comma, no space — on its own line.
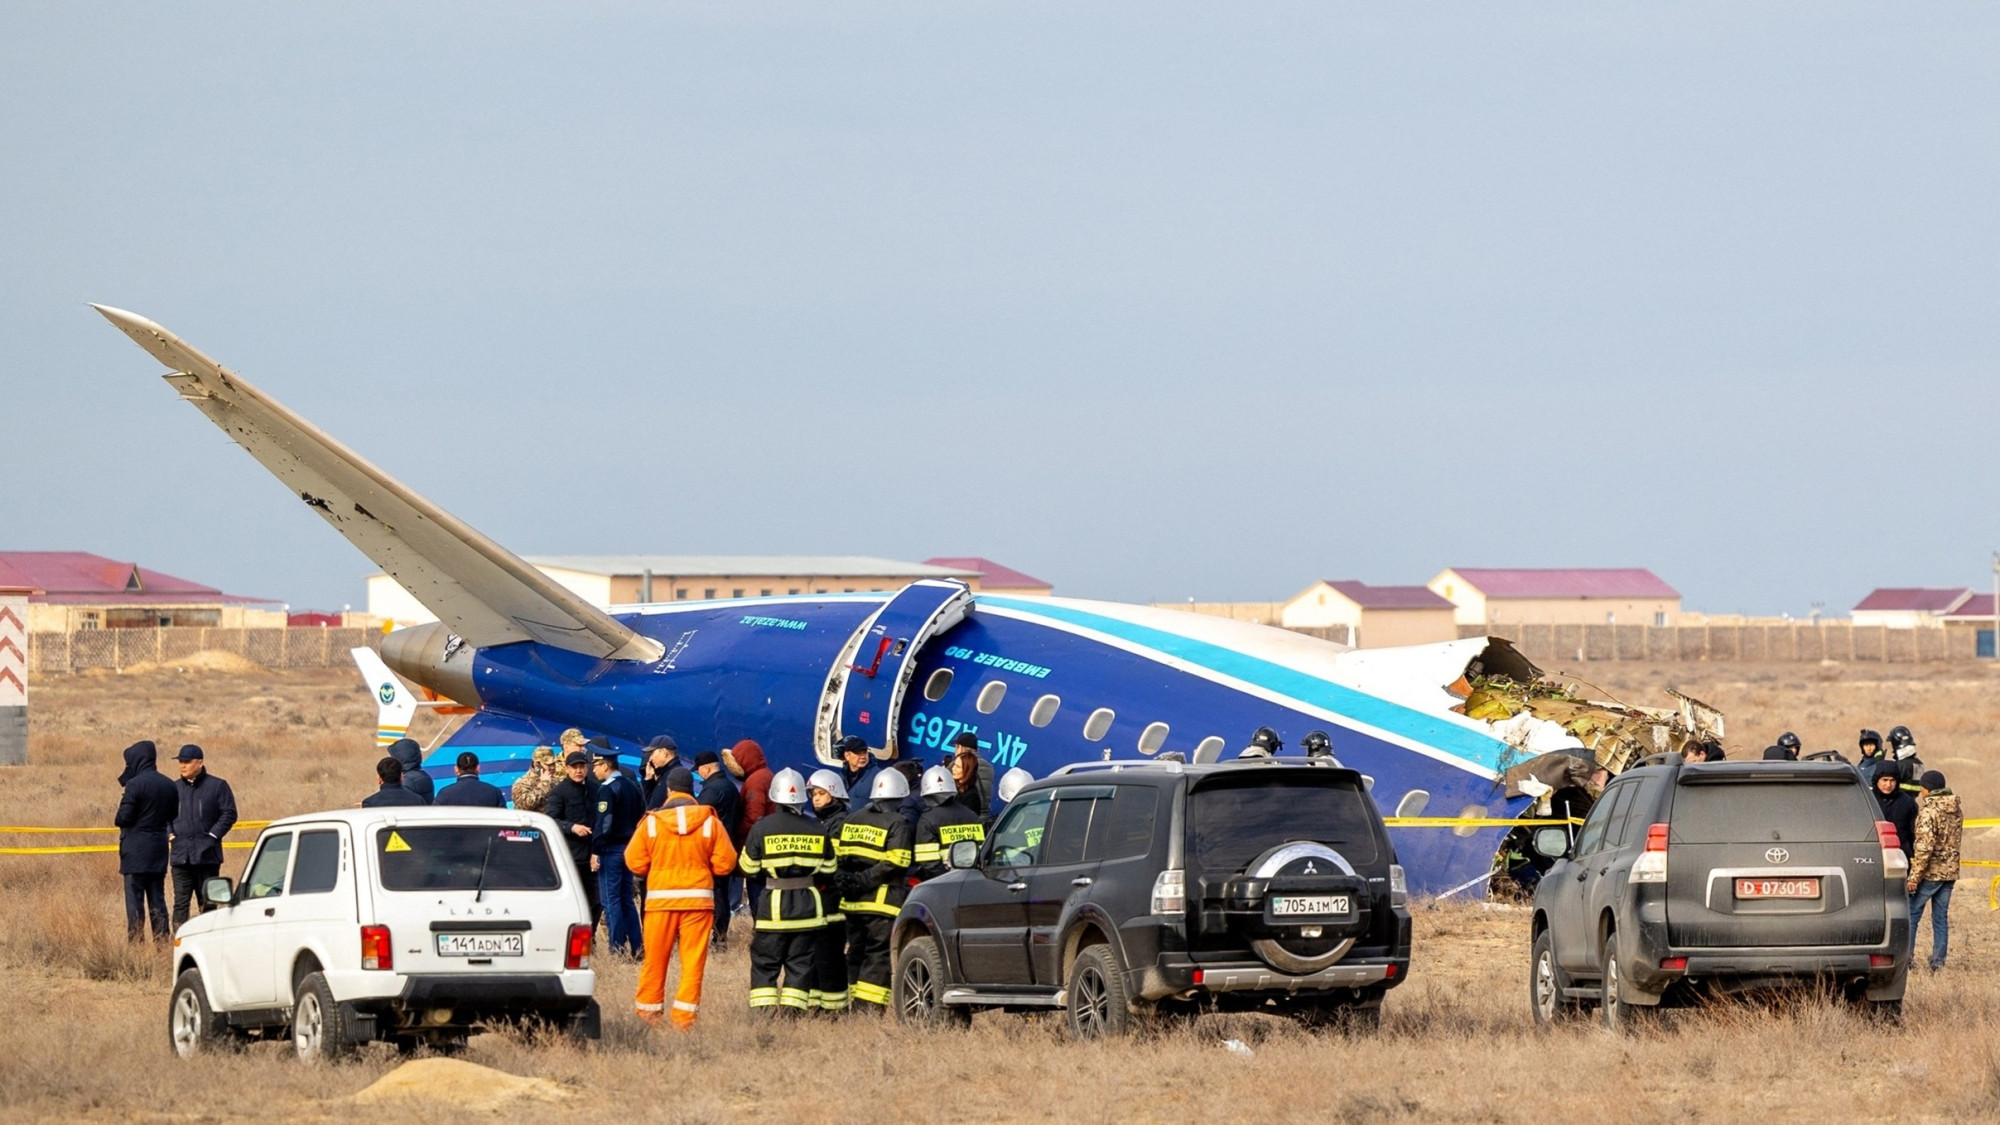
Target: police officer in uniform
(873,877)
(829,990)
(945,822)
(785,853)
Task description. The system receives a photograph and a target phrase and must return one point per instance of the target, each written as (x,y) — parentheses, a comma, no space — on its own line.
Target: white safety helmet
(938,782)
(788,788)
(1012,782)
(890,785)
(830,781)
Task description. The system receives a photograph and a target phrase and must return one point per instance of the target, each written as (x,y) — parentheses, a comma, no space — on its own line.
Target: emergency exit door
(869,686)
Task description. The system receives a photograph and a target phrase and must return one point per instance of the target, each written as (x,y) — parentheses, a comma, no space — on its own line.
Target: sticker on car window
(395,843)
(521,835)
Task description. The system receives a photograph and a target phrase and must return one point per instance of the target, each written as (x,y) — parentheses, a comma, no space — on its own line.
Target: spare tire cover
(1297,955)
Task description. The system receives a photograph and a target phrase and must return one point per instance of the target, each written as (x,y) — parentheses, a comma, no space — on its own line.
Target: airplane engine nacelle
(432,656)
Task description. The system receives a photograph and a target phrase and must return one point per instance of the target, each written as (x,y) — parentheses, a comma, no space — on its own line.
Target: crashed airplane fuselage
(1041,682)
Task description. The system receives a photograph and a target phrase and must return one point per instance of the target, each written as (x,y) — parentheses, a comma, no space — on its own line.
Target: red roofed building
(1571,596)
(78,590)
(1910,607)
(1374,616)
(1974,613)
(997,579)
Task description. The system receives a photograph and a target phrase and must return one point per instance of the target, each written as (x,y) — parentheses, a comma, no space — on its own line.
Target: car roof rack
(1118,766)
(1665,758)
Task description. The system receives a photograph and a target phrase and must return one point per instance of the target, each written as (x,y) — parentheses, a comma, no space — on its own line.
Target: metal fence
(119,649)
(1801,641)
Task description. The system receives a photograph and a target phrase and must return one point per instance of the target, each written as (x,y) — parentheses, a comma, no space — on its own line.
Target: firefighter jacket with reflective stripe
(874,851)
(941,826)
(831,818)
(788,852)
(680,847)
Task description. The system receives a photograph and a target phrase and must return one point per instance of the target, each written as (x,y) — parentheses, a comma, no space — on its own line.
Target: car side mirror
(1552,843)
(218,892)
(963,854)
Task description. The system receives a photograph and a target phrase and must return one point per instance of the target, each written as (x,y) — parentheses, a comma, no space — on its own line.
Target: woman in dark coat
(144,812)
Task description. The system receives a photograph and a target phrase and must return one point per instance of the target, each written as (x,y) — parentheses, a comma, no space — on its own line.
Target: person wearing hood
(390,791)
(1934,862)
(828,992)
(681,849)
(411,757)
(1898,809)
(945,822)
(746,761)
(144,814)
(205,814)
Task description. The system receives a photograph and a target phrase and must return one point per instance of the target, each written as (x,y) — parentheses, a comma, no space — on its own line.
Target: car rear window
(1747,812)
(449,857)
(1232,823)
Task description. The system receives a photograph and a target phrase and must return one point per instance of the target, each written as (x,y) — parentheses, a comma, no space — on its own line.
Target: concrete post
(13,676)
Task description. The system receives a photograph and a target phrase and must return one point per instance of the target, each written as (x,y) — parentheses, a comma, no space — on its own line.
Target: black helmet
(1900,737)
(1267,740)
(1789,741)
(1868,736)
(1777,754)
(1317,744)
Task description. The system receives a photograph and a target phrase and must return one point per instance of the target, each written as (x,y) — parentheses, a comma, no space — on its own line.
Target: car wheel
(192,1026)
(319,1035)
(1619,1016)
(919,991)
(1100,1007)
(1546,982)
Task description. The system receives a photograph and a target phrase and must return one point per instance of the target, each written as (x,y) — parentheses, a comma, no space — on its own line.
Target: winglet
(482,592)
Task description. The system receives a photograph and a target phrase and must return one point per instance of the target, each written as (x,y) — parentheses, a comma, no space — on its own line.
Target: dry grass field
(82,1015)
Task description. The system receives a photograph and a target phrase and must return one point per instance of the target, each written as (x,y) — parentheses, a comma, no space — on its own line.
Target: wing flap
(481,591)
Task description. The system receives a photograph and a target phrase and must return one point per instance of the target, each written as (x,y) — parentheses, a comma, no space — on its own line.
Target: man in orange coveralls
(680,848)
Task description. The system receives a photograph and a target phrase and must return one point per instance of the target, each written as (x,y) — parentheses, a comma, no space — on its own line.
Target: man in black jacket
(392,792)
(1897,808)
(144,813)
(663,756)
(468,791)
(206,813)
(411,757)
(572,805)
(719,792)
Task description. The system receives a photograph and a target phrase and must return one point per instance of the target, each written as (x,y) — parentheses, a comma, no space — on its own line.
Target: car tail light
(1674,964)
(1389,971)
(376,950)
(1881,960)
(1200,975)
(1651,866)
(1399,886)
(1170,892)
(1895,865)
(577,955)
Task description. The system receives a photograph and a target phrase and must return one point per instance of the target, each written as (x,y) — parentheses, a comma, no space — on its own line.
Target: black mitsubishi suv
(1120,890)
(1722,877)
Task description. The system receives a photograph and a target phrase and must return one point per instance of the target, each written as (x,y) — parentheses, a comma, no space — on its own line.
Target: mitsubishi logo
(1310,869)
(1777,855)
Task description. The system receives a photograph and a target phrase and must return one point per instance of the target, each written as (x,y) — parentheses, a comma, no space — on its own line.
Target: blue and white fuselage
(1042,682)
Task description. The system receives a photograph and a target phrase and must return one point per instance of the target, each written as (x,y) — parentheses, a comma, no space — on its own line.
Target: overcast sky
(1153,302)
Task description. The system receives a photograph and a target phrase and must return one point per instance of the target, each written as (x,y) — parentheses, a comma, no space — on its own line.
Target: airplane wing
(480,591)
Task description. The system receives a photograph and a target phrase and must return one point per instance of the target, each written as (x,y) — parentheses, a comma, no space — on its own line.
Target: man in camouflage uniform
(531,789)
(1934,862)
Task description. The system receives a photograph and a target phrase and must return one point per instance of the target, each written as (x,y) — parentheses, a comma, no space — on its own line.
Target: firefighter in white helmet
(786,853)
(874,854)
(945,822)
(1010,783)
(829,986)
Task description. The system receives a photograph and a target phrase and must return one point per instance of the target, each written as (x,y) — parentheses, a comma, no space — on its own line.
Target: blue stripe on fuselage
(1467,745)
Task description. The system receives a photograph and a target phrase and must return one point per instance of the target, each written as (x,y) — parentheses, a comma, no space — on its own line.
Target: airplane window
(1045,711)
(1098,723)
(1209,749)
(1413,803)
(937,685)
(990,697)
(1469,812)
(1152,738)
